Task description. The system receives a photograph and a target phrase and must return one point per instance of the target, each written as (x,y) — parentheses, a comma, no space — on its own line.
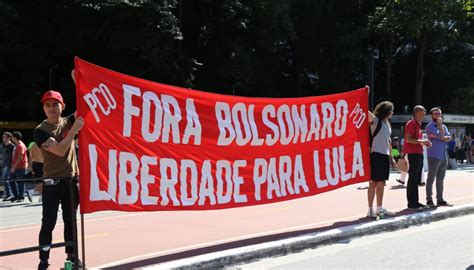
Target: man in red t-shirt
(413,146)
(18,168)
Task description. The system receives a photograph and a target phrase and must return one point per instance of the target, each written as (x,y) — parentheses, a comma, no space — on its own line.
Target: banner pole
(71,183)
(83,243)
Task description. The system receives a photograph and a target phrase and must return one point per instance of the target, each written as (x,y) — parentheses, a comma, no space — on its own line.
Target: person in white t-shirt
(380,157)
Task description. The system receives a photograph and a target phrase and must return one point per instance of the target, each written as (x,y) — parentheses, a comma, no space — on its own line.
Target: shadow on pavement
(398,187)
(33,204)
(11,204)
(237,244)
(257,240)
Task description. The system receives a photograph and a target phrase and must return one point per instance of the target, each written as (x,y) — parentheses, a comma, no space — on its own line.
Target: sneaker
(70,257)
(386,212)
(415,208)
(430,204)
(78,262)
(28,194)
(443,203)
(422,206)
(7,198)
(371,214)
(43,265)
(421,184)
(18,199)
(400,181)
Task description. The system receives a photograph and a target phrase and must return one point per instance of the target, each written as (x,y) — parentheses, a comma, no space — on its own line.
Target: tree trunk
(389,63)
(420,71)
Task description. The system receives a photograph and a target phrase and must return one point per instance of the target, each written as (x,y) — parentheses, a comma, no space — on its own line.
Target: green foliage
(462,100)
(276,48)
(240,44)
(424,25)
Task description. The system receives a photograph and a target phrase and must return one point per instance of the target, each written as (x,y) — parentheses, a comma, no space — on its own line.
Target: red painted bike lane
(122,238)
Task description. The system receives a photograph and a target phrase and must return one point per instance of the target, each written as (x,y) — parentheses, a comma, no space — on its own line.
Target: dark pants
(37,168)
(18,187)
(53,195)
(414,178)
(6,183)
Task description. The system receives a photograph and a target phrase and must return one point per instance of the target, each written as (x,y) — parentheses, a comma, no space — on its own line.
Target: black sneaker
(8,198)
(415,208)
(430,204)
(28,195)
(20,199)
(43,265)
(400,181)
(443,203)
(421,184)
(422,206)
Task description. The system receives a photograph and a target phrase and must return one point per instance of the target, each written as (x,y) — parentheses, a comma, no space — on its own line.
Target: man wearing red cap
(55,136)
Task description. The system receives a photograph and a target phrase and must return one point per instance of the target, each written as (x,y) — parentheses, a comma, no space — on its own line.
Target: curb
(252,253)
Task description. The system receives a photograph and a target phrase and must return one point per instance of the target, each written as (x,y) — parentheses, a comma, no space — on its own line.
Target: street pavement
(120,240)
(446,244)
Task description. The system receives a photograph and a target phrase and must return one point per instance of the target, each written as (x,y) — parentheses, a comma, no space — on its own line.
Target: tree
(386,25)
(239,44)
(432,24)
(136,37)
(331,45)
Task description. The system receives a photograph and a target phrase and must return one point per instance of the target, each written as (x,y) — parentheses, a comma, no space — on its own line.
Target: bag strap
(376,131)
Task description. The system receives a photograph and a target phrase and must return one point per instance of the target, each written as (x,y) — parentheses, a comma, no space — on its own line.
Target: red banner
(147,146)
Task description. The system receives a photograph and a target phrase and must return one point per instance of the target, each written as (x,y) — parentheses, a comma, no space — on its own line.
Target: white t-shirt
(382,140)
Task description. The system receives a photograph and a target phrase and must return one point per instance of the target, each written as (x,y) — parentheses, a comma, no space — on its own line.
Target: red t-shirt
(413,129)
(20,149)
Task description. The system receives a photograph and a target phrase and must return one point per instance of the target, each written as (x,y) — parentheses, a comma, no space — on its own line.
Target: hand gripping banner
(147,146)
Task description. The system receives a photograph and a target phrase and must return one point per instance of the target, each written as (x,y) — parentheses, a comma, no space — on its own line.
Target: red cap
(52,95)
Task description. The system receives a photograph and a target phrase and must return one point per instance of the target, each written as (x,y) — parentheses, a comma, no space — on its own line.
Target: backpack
(376,131)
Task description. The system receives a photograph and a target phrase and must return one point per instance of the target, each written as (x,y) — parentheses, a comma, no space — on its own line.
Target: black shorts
(379,166)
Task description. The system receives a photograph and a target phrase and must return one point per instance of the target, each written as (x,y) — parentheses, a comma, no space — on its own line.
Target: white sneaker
(371,214)
(386,212)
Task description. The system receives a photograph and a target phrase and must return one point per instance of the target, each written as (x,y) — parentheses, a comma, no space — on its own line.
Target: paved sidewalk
(127,240)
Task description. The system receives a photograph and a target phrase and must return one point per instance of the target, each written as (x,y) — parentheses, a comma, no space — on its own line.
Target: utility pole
(370,75)
(51,76)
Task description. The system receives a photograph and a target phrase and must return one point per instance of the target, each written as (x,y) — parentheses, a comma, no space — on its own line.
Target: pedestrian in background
(452,153)
(36,165)
(471,151)
(413,147)
(439,136)
(18,168)
(466,148)
(459,153)
(7,151)
(395,148)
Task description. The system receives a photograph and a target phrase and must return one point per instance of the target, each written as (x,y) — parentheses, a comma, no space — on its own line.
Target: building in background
(457,124)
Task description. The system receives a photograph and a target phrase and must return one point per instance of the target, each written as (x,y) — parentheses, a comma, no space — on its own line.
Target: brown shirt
(53,165)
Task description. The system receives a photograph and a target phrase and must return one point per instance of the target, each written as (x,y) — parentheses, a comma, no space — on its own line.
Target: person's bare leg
(371,193)
(379,193)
